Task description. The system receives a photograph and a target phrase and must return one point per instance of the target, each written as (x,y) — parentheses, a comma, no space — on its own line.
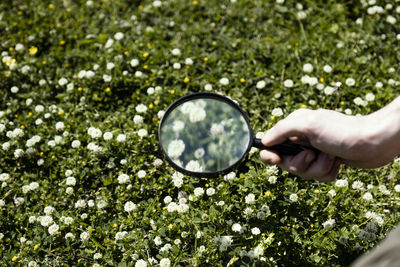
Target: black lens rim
(198,96)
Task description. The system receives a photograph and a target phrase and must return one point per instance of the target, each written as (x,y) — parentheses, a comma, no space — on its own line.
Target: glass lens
(205,135)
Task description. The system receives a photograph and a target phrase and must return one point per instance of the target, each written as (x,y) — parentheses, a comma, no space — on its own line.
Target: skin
(369,141)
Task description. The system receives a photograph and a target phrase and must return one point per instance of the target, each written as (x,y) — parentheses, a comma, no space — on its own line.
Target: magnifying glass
(208,135)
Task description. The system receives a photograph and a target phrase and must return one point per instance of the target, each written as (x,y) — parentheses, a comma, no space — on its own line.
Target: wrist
(385,129)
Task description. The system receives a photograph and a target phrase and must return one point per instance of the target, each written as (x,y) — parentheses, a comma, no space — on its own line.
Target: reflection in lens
(205,135)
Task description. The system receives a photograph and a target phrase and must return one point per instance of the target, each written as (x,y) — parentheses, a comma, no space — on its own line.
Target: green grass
(244,41)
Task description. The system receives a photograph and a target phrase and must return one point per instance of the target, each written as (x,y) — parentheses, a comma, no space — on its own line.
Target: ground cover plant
(83,85)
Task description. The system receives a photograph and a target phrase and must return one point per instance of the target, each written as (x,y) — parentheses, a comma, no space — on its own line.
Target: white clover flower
(210,191)
(165,262)
(224,81)
(255,231)
(301,15)
(329,90)
(70,236)
(129,206)
(160,114)
(182,208)
(110,66)
(236,227)
(32,219)
(367,196)
(176,52)
(397,188)
(107,136)
(350,82)
(19,47)
(107,78)
(167,199)
(391,19)
(198,191)
(123,178)
(193,166)
(250,199)
(308,67)
(208,87)
(46,220)
(76,144)
(53,229)
(80,204)
(62,81)
(18,153)
(172,207)
(134,62)
(150,90)
(60,126)
(348,111)
(293,197)
(288,83)
(84,236)
(177,180)
(341,183)
(277,112)
(97,256)
(5,146)
(121,138)
(177,66)
(157,163)
(357,185)
(141,174)
(68,220)
(260,84)
(141,263)
(175,148)
(329,224)
(70,181)
(157,240)
(138,119)
(69,190)
(272,179)
(14,89)
(48,210)
(142,133)
(189,61)
(378,85)
(327,69)
(141,108)
(89,74)
(118,36)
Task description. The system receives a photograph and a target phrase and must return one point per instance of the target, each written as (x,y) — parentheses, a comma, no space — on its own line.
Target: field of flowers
(84,84)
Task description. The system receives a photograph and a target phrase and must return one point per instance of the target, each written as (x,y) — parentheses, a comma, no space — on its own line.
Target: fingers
(306,164)
(293,125)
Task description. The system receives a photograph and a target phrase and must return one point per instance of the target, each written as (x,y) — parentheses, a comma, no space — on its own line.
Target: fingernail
(309,157)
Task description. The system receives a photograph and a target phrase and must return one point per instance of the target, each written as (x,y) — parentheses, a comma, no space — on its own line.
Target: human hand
(364,141)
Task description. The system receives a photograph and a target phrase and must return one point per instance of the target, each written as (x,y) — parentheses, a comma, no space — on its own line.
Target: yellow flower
(126,53)
(268,193)
(22,127)
(33,50)
(316,191)
(146,54)
(79,89)
(61,112)
(170,226)
(303,105)
(30,114)
(108,89)
(14,258)
(194,2)
(62,42)
(186,80)
(205,59)
(53,157)
(242,80)
(151,106)
(145,67)
(214,43)
(164,208)
(172,91)
(11,49)
(10,61)
(51,6)
(36,247)
(115,225)
(321,79)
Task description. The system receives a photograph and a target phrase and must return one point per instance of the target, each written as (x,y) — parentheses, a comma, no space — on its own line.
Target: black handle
(284,149)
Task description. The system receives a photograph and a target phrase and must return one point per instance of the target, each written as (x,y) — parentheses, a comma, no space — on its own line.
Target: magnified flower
(186,107)
(197,114)
(216,129)
(178,125)
(176,148)
(194,166)
(199,153)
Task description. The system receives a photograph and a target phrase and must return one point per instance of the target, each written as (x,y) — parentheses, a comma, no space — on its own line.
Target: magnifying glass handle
(284,149)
